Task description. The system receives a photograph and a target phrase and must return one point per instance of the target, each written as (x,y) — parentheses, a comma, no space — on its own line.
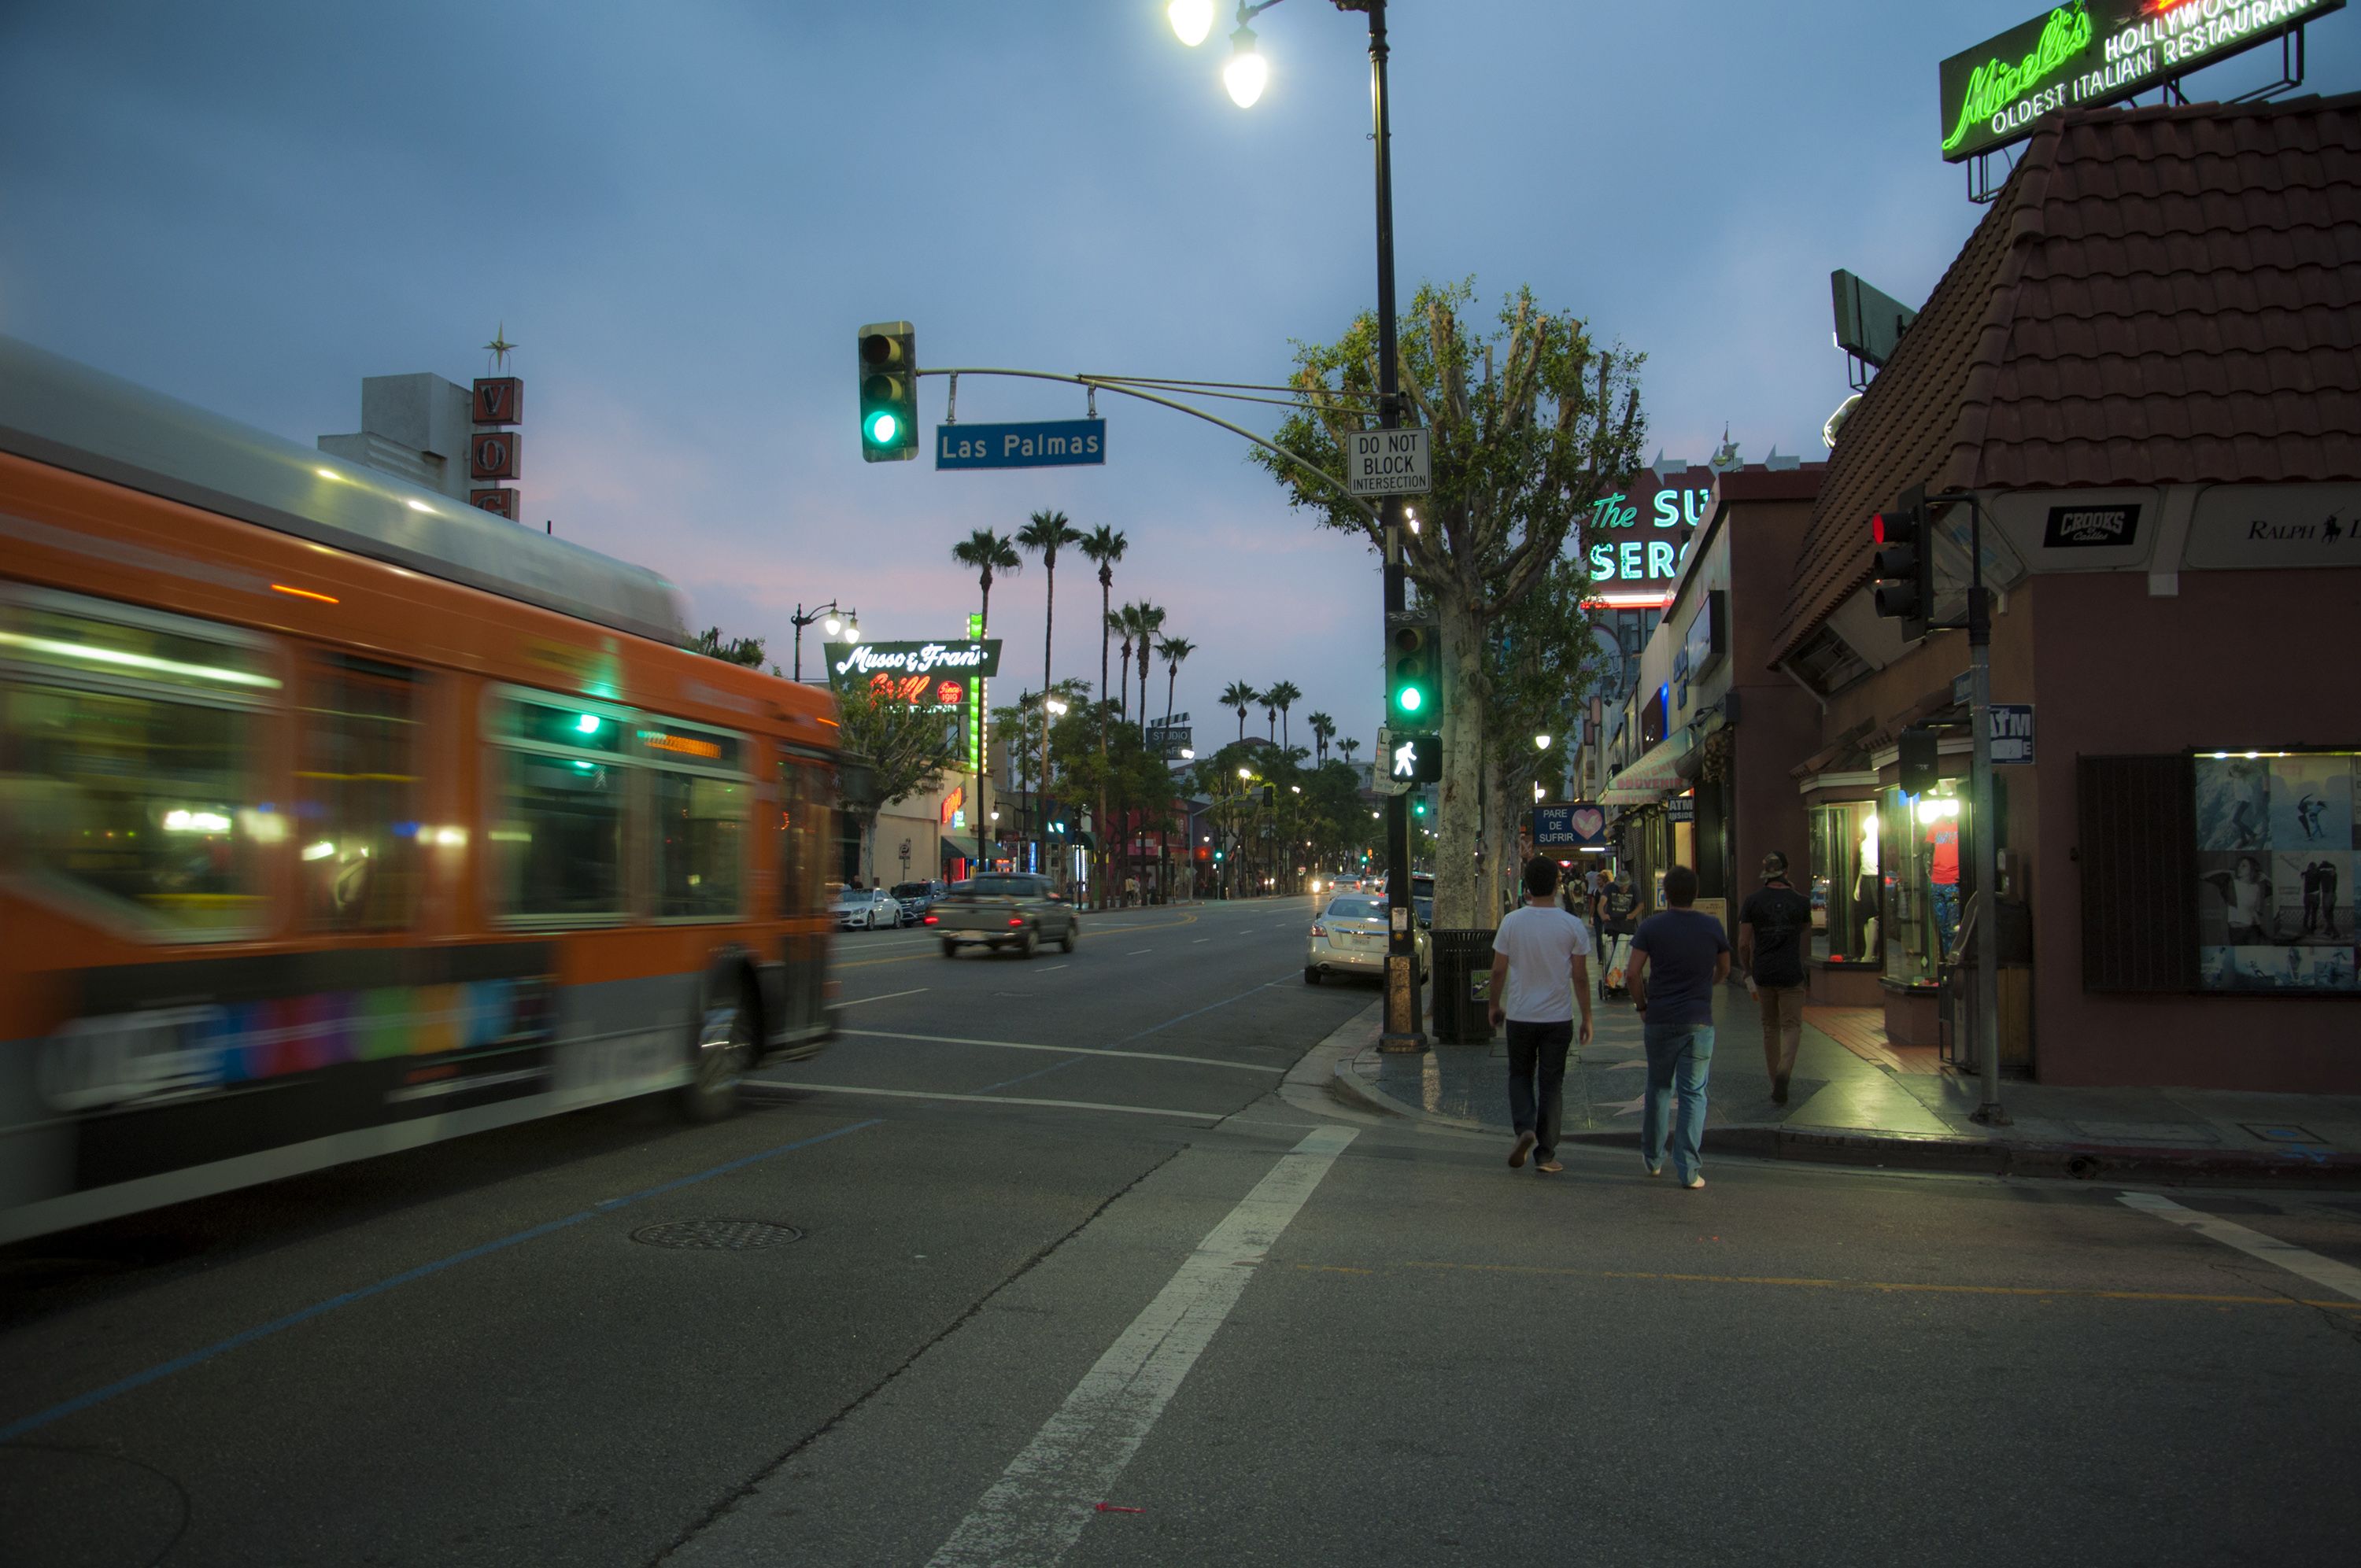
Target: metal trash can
(1461,997)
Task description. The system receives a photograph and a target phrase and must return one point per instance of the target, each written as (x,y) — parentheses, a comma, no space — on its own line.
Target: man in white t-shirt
(1541,967)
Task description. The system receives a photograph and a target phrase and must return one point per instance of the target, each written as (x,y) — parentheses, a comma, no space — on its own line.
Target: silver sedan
(1349,937)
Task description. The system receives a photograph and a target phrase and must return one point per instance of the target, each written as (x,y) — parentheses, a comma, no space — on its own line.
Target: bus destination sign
(2091,52)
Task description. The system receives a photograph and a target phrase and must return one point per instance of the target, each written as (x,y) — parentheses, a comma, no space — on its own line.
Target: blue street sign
(1051,443)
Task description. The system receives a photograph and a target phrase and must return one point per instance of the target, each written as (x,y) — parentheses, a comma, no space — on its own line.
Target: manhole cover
(717,1236)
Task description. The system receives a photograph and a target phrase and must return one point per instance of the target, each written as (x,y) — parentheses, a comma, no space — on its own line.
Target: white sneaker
(1650,1169)
(1697,1178)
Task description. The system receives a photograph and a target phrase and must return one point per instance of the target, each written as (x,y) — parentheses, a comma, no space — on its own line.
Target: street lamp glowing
(1248,71)
(833,626)
(1540,742)
(1190,19)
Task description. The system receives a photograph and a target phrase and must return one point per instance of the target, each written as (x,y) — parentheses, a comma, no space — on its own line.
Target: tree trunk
(1040,796)
(1458,902)
(975,816)
(1106,591)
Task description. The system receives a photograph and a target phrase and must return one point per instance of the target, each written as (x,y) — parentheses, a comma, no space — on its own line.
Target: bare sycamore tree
(1530,426)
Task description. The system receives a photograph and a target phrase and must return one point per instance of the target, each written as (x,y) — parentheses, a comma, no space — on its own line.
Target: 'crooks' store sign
(925,675)
(2096,51)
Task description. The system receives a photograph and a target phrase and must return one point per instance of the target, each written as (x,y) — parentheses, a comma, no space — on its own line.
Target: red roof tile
(2159,296)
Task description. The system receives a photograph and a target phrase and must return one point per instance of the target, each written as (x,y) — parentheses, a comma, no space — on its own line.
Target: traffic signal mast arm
(1127,387)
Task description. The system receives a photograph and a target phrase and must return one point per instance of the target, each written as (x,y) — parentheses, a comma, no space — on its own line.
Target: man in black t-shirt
(1771,925)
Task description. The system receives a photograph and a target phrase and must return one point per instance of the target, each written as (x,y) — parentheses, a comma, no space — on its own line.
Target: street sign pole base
(1991,1113)
(1401,1043)
(1401,1029)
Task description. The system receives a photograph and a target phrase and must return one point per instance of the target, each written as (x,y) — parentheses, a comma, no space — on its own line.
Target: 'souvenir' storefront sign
(2096,51)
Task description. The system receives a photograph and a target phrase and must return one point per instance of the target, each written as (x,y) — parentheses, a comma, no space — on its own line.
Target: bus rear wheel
(722,1051)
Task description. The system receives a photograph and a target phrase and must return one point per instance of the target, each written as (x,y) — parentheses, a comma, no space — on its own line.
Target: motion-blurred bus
(337,817)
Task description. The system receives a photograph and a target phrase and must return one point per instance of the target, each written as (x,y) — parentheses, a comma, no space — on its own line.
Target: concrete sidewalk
(1859,1107)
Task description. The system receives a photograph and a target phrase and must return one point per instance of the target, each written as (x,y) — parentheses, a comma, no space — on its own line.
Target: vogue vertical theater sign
(2096,51)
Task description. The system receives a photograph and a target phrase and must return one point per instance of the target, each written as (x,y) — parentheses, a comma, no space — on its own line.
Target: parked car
(1349,937)
(1003,911)
(916,898)
(866,908)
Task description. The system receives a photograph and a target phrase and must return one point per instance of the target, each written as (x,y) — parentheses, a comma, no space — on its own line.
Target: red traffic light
(1877,528)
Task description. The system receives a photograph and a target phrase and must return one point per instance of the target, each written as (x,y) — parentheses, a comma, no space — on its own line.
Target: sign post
(1388,463)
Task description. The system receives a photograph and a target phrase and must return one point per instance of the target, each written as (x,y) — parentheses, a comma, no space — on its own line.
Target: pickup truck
(1003,911)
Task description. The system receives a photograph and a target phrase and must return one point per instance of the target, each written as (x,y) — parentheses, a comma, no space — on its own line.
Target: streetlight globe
(851,631)
(832,626)
(1190,19)
(1245,772)
(1542,743)
(1247,72)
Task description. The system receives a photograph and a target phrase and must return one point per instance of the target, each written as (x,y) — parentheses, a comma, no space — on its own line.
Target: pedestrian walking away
(1619,902)
(1541,959)
(1678,955)
(1771,927)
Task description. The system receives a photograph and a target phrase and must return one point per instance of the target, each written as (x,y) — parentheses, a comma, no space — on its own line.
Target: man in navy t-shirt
(1677,958)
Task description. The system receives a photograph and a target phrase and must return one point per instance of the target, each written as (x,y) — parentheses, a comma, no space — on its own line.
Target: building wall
(1779,722)
(2237,661)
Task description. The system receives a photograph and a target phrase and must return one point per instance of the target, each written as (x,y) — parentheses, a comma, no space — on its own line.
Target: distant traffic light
(1414,670)
(889,392)
(1904,563)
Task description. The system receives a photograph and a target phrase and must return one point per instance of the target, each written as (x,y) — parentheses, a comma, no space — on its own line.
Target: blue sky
(673,208)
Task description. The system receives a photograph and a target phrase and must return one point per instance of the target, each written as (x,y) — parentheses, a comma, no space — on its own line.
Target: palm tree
(1044,533)
(1120,622)
(990,553)
(1149,619)
(1282,696)
(1105,545)
(1322,727)
(1174,650)
(1242,696)
(1270,712)
(1345,748)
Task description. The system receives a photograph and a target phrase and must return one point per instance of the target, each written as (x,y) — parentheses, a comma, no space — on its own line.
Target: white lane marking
(885,996)
(1035,1511)
(1202,940)
(1053,969)
(1136,952)
(759,1084)
(1061,1050)
(2341,1278)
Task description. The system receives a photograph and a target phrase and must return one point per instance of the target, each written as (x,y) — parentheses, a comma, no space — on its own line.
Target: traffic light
(1414,670)
(889,392)
(1917,759)
(1904,563)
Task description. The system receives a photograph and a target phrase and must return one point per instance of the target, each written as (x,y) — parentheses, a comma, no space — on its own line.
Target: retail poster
(2275,870)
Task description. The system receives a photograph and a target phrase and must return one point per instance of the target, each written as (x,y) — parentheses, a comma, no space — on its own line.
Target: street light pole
(848,620)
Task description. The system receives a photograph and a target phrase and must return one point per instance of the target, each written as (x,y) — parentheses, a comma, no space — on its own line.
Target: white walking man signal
(1406,759)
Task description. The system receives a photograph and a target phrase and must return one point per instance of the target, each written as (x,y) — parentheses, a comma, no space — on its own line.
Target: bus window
(557,837)
(802,836)
(127,739)
(357,796)
(700,844)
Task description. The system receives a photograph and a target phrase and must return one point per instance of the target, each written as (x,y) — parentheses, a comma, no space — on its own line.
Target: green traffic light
(1410,701)
(883,427)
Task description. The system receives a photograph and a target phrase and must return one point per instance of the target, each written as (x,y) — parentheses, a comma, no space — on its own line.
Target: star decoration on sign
(500,347)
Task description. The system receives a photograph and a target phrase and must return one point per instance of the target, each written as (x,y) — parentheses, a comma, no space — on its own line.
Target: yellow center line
(1878,1286)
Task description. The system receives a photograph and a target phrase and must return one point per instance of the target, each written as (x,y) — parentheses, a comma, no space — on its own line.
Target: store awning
(1655,775)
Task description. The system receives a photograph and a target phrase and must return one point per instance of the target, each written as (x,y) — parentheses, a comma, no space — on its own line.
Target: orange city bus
(337,817)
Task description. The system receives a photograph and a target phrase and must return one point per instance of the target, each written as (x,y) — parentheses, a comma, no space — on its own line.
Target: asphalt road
(1063,1240)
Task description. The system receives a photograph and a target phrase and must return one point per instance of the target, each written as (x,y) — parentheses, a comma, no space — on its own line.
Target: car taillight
(931,919)
(1318,929)
(1016,920)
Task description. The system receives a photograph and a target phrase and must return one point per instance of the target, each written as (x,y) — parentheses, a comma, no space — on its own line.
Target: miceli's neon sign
(1635,560)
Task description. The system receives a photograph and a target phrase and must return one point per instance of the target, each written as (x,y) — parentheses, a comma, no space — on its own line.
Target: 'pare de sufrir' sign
(1388,463)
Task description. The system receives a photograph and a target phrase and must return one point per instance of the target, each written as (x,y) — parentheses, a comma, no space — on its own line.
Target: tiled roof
(2159,296)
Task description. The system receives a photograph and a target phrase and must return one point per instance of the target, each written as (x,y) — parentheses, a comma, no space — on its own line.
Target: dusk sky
(675,212)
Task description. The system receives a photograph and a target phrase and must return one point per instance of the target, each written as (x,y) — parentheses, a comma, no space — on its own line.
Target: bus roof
(70,416)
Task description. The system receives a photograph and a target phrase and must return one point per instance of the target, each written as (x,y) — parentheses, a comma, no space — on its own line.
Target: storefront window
(2275,853)
(1844,882)
(1920,853)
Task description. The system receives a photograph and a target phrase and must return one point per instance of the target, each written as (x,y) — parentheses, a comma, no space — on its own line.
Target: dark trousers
(1537,1051)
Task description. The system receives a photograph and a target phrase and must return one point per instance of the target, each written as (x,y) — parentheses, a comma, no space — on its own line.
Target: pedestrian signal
(1415,759)
(1904,565)
(889,392)
(1413,668)
(1917,759)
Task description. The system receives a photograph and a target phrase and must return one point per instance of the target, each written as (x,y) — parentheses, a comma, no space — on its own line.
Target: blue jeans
(1679,1056)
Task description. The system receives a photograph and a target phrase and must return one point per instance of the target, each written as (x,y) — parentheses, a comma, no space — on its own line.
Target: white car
(866,908)
(1349,937)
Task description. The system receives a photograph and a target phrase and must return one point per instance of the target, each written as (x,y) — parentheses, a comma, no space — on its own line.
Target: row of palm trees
(1276,699)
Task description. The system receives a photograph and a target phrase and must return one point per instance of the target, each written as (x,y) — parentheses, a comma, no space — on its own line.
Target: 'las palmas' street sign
(1051,443)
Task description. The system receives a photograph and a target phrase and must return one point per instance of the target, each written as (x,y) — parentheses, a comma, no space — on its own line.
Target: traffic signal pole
(1403,1031)
(1987,836)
